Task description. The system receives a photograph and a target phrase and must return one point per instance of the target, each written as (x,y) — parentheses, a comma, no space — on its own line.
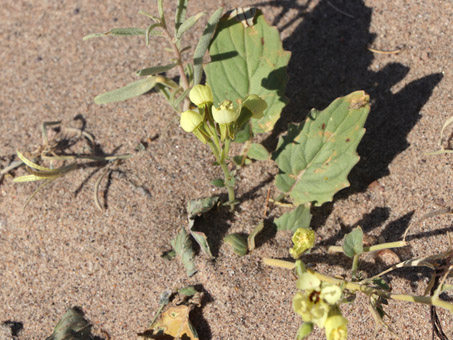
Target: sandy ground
(61,251)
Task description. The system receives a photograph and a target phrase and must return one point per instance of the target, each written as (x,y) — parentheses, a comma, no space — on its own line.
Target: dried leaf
(174,324)
(72,326)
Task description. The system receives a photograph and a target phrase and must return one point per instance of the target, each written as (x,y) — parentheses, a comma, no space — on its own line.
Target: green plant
(319,296)
(245,81)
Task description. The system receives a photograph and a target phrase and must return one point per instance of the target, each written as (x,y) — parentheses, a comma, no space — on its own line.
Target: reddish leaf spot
(323,126)
(347,140)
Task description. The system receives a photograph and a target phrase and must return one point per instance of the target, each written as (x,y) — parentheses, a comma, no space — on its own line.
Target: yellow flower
(190,120)
(303,240)
(336,328)
(201,95)
(225,114)
(311,307)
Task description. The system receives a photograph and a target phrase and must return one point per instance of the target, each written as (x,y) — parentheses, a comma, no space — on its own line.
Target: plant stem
(226,173)
(427,300)
(355,266)
(179,66)
(398,244)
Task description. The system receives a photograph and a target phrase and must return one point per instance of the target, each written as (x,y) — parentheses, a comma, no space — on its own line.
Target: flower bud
(303,240)
(226,114)
(190,120)
(304,330)
(336,328)
(200,95)
(255,104)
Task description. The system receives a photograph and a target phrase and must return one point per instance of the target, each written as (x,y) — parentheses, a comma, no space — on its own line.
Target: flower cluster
(317,303)
(303,240)
(224,119)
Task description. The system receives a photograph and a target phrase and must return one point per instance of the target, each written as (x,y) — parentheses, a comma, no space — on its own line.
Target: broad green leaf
(72,326)
(258,152)
(218,182)
(244,134)
(199,206)
(129,91)
(237,242)
(118,32)
(294,219)
(353,242)
(315,159)
(183,248)
(249,60)
(180,14)
(252,236)
(201,239)
(203,45)
(155,70)
(187,24)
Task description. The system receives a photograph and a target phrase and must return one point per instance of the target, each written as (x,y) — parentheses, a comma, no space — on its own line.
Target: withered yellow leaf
(173,324)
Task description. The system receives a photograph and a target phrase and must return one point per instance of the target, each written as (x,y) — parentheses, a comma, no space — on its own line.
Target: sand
(62,251)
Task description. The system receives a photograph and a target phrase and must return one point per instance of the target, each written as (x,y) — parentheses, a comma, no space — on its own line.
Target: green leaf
(151,32)
(353,242)
(155,70)
(315,160)
(297,218)
(118,32)
(160,8)
(249,60)
(258,152)
(203,45)
(129,91)
(183,248)
(180,14)
(244,134)
(201,239)
(187,291)
(72,326)
(186,25)
(252,236)
(200,206)
(218,182)
(180,98)
(168,255)
(237,242)
(304,330)
(381,284)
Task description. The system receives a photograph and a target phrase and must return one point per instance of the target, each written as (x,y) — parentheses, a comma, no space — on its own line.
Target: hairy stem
(353,286)
(179,66)
(226,173)
(398,244)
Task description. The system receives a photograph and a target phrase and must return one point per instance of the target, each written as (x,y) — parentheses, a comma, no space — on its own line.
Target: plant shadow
(330,58)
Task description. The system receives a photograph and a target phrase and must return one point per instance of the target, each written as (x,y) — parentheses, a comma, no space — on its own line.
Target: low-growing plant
(319,296)
(50,160)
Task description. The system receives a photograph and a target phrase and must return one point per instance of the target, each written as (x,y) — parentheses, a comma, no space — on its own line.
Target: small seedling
(54,152)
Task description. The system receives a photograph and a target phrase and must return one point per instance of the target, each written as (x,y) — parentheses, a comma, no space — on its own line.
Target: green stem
(179,66)
(355,266)
(226,174)
(398,244)
(427,300)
